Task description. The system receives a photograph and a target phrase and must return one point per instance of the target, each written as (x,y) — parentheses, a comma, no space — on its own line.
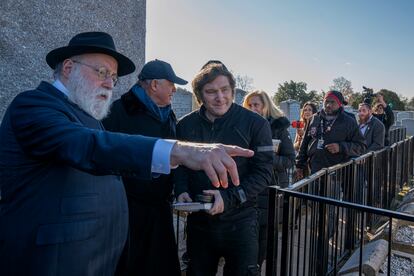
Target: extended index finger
(237,151)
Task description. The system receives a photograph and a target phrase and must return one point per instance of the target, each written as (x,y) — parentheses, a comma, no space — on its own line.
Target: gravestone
(30,29)
(373,256)
(409,124)
(238,98)
(349,109)
(291,108)
(182,102)
(403,115)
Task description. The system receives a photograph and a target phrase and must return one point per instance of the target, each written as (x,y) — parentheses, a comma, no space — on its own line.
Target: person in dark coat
(210,235)
(283,158)
(306,113)
(332,137)
(383,112)
(146,109)
(63,209)
(371,128)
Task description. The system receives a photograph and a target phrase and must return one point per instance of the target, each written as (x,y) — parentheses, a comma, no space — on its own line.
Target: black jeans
(237,242)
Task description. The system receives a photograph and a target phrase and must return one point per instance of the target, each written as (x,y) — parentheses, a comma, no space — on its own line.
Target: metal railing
(315,243)
(397,133)
(373,179)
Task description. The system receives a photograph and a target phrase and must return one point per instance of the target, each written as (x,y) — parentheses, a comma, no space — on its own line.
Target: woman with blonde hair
(284,159)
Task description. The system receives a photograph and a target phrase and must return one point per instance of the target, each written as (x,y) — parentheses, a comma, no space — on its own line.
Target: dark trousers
(235,241)
(151,248)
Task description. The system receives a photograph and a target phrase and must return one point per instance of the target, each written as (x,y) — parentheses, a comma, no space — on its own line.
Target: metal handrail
(350,205)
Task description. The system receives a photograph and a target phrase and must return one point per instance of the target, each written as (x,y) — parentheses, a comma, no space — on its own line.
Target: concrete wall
(30,29)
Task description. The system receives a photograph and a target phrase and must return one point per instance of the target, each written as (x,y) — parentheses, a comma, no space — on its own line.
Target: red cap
(336,95)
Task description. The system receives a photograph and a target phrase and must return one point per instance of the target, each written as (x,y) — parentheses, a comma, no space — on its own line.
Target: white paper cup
(276,143)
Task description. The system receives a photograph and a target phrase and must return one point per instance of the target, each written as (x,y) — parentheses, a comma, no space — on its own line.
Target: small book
(192,206)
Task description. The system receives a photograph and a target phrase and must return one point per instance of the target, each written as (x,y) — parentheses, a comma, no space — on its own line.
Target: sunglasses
(103,72)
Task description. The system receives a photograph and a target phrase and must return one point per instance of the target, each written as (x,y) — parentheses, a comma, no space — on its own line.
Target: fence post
(371,189)
(270,254)
(284,263)
(323,235)
(349,234)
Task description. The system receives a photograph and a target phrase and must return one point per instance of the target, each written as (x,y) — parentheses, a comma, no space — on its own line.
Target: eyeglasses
(103,72)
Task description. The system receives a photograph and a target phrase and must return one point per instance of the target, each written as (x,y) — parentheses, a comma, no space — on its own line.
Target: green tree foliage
(295,91)
(390,97)
(355,99)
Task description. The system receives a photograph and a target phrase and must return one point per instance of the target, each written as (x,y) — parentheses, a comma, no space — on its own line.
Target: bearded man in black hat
(63,209)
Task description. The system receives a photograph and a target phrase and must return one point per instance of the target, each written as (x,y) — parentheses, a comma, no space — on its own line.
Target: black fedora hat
(91,42)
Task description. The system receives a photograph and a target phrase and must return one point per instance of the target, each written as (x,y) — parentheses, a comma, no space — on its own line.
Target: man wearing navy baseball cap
(146,109)
(158,69)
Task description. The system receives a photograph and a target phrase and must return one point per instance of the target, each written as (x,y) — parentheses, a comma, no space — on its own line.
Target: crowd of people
(87,187)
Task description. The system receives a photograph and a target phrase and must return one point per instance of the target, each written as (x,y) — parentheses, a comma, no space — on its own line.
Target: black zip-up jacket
(129,115)
(239,127)
(345,131)
(285,158)
(282,161)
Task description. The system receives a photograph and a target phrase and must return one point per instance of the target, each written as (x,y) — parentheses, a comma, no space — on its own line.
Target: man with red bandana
(331,138)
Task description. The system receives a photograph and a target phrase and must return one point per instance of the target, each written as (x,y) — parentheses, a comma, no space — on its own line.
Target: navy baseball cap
(158,69)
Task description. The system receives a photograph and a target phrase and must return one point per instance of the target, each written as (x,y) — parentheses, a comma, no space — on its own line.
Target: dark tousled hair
(208,74)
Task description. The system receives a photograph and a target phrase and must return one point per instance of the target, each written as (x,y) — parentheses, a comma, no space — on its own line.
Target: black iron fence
(319,233)
(308,236)
(397,133)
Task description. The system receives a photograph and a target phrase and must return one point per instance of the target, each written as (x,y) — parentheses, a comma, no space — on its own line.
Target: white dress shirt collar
(59,85)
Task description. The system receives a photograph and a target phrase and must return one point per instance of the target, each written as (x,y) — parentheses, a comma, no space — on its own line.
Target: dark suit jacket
(151,248)
(129,115)
(62,210)
(374,135)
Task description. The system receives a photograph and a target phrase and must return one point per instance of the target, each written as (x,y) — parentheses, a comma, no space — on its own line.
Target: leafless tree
(244,82)
(342,85)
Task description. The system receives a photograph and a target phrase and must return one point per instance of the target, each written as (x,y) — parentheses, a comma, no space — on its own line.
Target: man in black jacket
(211,234)
(372,128)
(146,109)
(331,138)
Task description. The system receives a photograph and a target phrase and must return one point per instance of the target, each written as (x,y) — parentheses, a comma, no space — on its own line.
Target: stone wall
(30,29)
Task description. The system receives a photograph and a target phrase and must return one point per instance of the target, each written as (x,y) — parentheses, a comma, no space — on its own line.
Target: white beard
(84,94)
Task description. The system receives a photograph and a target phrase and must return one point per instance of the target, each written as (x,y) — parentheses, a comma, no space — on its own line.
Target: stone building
(30,29)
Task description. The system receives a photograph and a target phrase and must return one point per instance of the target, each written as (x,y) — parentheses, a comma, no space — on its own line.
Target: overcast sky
(369,42)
